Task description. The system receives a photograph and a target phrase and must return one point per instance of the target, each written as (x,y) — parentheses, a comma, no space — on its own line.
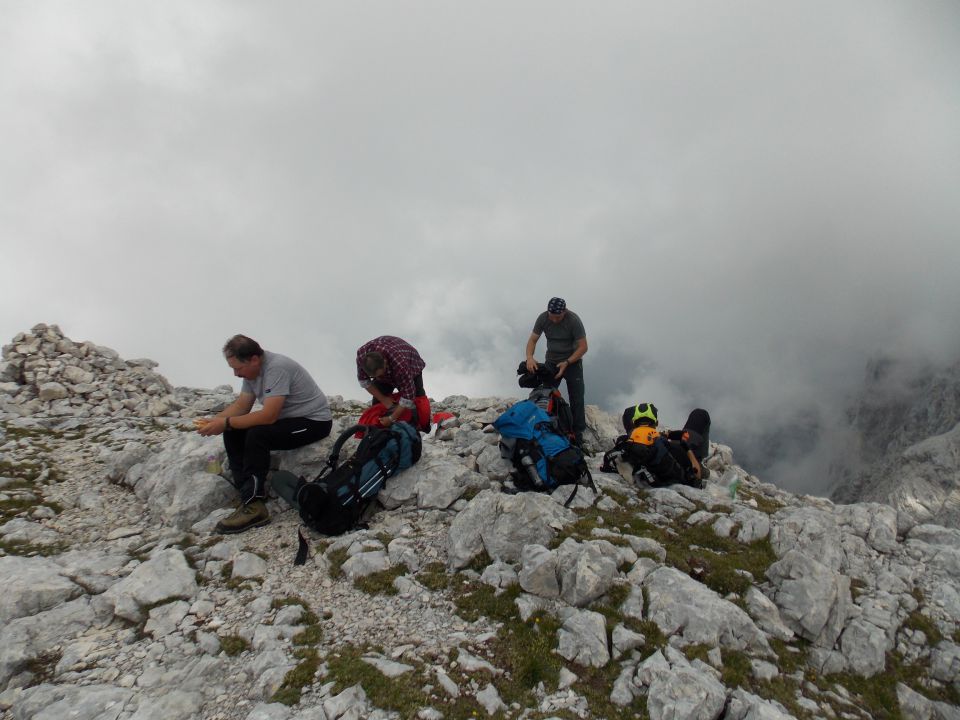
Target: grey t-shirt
(282,377)
(562,336)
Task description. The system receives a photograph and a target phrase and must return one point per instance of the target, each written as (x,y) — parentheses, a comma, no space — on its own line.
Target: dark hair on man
(373,362)
(242,348)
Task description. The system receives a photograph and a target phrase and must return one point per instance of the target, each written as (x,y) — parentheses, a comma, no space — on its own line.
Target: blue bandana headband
(556,305)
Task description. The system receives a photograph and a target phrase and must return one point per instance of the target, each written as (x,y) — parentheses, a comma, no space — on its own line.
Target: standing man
(385,363)
(566,345)
(295,413)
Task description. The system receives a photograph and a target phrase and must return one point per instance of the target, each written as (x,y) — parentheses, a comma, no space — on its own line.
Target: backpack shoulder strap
(344,436)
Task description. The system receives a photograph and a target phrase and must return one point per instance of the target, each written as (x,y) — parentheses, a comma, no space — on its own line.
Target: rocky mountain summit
(738,601)
(906,448)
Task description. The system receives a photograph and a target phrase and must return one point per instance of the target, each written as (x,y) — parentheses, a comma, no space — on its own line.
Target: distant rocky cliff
(458,601)
(906,447)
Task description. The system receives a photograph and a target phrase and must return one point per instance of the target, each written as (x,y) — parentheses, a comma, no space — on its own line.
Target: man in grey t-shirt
(295,412)
(566,345)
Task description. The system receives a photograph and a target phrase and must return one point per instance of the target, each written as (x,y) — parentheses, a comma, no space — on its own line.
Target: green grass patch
(233,645)
(298,678)
(475,600)
(16,506)
(736,670)
(715,560)
(479,562)
(336,558)
(609,605)
(396,694)
(525,651)
(764,504)
(698,651)
(434,577)
(26,549)
(791,658)
(918,621)
(310,635)
(878,694)
(595,684)
(43,666)
(380,583)
(308,617)
(654,639)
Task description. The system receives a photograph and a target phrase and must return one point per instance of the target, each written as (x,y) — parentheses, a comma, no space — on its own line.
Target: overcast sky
(744,201)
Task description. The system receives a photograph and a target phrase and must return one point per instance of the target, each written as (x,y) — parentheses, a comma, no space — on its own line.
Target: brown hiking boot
(253,514)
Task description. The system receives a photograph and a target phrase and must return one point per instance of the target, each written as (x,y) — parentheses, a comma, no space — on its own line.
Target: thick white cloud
(744,202)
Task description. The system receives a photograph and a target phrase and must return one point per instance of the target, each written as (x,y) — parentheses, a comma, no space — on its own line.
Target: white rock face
(121,602)
(31,586)
(814,600)
(502,525)
(679,604)
(164,576)
(583,639)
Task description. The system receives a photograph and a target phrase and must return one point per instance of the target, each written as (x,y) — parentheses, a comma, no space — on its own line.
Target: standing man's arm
(578,352)
(531,346)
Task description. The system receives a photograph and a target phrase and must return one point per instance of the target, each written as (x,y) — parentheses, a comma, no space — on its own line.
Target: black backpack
(335,500)
(545,394)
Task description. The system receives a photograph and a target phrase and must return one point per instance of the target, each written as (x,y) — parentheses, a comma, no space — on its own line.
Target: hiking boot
(253,514)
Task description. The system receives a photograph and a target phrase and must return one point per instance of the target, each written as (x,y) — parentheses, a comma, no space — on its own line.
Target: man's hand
(386,421)
(561,369)
(531,365)
(210,426)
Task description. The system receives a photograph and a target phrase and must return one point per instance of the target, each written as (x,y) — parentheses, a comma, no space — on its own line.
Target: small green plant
(26,549)
(595,683)
(233,645)
(43,666)
(764,504)
(308,617)
(310,635)
(434,577)
(525,650)
(475,600)
(697,651)
(654,639)
(790,658)
(380,583)
(336,558)
(918,621)
(736,669)
(298,678)
(609,605)
(397,694)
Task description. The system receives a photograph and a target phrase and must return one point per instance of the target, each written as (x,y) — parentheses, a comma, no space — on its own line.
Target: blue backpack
(542,458)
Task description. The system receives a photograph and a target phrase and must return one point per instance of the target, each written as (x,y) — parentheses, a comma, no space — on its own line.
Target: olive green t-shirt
(562,336)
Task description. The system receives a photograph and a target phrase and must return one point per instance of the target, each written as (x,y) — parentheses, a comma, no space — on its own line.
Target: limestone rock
(813,599)
(32,585)
(678,604)
(164,576)
(502,525)
(583,638)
